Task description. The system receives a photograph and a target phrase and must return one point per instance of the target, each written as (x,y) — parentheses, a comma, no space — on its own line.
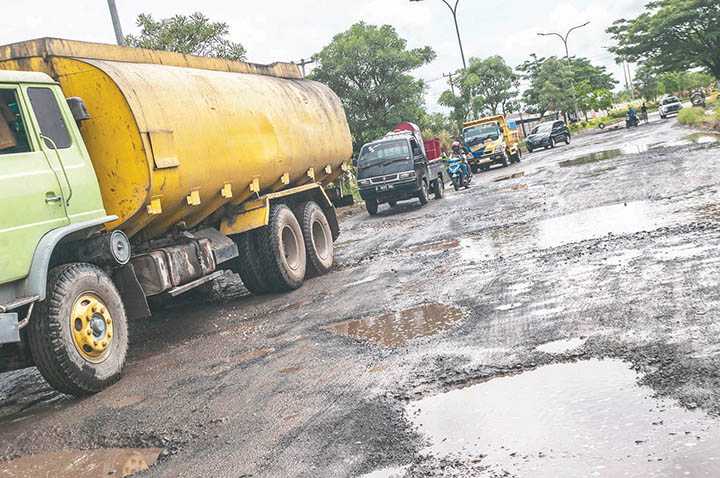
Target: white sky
(286,30)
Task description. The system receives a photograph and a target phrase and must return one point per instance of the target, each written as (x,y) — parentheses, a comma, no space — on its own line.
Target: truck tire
(78,335)
(505,161)
(319,247)
(439,188)
(282,250)
(423,194)
(248,265)
(372,206)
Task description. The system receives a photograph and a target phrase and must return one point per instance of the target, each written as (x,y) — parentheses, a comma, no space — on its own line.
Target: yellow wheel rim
(92,328)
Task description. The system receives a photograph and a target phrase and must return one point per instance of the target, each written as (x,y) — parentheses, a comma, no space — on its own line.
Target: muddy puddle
(395,329)
(111,462)
(587,418)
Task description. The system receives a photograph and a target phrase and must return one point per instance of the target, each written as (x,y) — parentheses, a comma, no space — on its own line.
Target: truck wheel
(505,161)
(423,195)
(248,266)
(319,248)
(78,336)
(372,206)
(282,250)
(439,189)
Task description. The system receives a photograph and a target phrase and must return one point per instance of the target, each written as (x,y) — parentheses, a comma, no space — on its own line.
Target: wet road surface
(556,319)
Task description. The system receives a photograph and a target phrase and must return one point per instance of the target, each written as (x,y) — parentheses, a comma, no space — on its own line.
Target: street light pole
(454,10)
(564,38)
(116,23)
(567,55)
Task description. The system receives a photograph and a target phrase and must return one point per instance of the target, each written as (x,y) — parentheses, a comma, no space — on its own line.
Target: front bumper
(492,158)
(391,191)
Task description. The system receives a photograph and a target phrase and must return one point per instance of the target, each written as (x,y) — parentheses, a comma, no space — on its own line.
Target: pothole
(395,329)
(109,462)
(587,418)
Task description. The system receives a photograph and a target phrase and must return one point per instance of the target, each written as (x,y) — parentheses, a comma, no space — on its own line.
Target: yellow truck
(129,174)
(491,141)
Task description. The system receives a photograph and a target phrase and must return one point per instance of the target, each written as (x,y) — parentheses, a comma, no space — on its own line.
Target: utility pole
(454,10)
(116,23)
(302,64)
(565,39)
(449,76)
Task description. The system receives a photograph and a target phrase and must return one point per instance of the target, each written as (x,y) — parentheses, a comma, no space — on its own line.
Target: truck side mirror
(78,109)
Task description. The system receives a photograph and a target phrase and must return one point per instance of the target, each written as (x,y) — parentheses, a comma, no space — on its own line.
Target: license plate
(384,187)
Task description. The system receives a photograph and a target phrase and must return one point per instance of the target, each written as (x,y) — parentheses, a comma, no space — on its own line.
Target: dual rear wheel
(296,243)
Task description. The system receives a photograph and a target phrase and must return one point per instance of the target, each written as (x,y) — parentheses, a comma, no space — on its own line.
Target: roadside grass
(699,118)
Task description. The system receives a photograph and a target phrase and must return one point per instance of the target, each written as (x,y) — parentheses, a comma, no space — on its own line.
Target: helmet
(456,147)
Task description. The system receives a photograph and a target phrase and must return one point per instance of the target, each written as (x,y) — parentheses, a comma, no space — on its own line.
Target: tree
(486,87)
(194,35)
(646,82)
(368,67)
(672,35)
(551,85)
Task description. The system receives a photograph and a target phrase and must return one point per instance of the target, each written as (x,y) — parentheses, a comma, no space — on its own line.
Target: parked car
(670,105)
(547,135)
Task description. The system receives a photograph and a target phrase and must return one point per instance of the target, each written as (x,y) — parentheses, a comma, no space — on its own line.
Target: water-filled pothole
(561,346)
(109,462)
(395,329)
(587,418)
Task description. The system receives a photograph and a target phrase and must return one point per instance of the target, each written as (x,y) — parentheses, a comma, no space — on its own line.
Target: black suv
(547,135)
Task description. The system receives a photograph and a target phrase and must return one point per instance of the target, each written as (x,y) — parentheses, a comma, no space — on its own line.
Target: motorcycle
(632,121)
(459,172)
(697,98)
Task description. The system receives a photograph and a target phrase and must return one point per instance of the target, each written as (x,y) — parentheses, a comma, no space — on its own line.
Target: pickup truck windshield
(387,157)
(478,134)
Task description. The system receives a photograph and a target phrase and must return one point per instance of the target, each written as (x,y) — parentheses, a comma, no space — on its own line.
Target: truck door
(32,196)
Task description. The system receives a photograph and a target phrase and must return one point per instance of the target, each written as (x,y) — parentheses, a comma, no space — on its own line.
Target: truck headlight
(364,182)
(407,175)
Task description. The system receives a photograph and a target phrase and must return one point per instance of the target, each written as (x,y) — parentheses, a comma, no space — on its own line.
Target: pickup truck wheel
(552,142)
(439,189)
(567,139)
(530,150)
(423,195)
(372,206)
(282,250)
(78,335)
(475,168)
(248,266)
(319,248)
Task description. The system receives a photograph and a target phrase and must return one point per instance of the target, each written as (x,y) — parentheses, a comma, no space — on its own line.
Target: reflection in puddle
(437,246)
(592,158)
(577,419)
(397,328)
(561,346)
(392,472)
(597,222)
(113,462)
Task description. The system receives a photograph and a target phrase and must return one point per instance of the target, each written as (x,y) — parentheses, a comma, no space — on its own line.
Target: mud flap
(136,305)
(9,328)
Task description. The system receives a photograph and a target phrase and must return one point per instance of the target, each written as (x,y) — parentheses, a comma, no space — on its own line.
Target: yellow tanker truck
(129,174)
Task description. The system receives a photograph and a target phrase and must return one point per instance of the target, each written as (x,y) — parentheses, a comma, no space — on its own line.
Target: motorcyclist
(632,117)
(459,153)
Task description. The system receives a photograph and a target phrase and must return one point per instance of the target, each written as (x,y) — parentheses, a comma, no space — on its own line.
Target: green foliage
(438,125)
(692,116)
(557,84)
(368,67)
(674,82)
(647,83)
(672,35)
(194,34)
(487,87)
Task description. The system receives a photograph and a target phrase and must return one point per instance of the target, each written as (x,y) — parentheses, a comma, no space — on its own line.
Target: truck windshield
(670,100)
(387,157)
(480,133)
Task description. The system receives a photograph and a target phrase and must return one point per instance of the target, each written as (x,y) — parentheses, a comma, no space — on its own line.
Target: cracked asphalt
(609,245)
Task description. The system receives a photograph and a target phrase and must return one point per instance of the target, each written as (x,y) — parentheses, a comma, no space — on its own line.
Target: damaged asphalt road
(556,319)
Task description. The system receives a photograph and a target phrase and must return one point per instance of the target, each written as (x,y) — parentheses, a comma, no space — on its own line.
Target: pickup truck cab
(670,105)
(396,168)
